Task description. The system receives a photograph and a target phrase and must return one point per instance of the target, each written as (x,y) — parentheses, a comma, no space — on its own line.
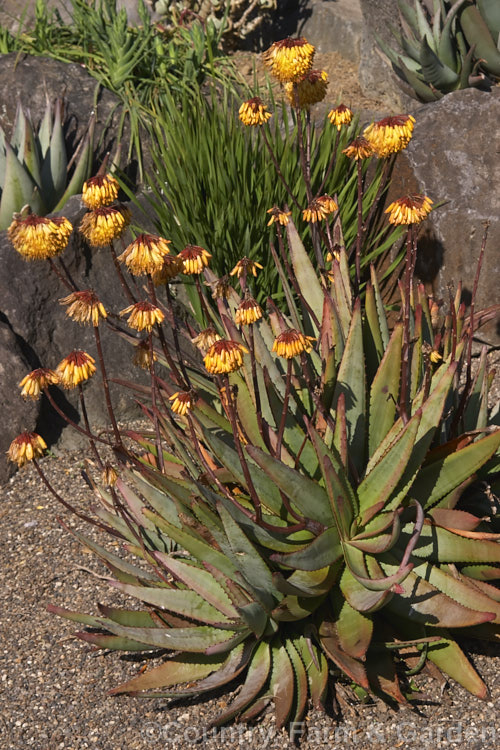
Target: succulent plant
(34,166)
(323,509)
(236,19)
(452,47)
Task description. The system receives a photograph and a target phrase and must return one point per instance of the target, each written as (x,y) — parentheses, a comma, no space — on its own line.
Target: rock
(376,76)
(29,79)
(334,27)
(18,416)
(453,157)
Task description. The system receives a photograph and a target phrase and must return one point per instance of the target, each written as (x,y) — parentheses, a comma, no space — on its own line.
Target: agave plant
(453,47)
(34,166)
(305,513)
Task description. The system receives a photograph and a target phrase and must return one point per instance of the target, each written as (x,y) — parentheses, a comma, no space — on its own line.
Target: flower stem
(284,413)
(125,286)
(330,165)
(87,425)
(105,384)
(69,285)
(73,424)
(156,423)
(405,359)
(359,237)
(70,507)
(278,169)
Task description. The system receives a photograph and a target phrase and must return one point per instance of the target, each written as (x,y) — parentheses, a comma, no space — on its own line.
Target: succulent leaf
(450,658)
(436,72)
(181,668)
(478,36)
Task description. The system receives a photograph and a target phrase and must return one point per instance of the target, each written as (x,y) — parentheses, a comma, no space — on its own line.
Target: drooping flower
(34,382)
(182,402)
(359,148)
(290,343)
(103,225)
(278,216)
(84,307)
(310,90)
(99,191)
(319,208)
(145,254)
(254,112)
(221,288)
(224,356)
(25,447)
(435,357)
(143,315)
(75,369)
(390,135)
(172,266)
(247,312)
(142,355)
(340,116)
(289,59)
(246,267)
(206,338)
(194,259)
(109,476)
(411,209)
(39,238)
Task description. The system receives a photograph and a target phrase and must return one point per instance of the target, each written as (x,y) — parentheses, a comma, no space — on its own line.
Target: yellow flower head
(145,254)
(103,225)
(182,402)
(84,307)
(390,135)
(309,90)
(340,116)
(412,209)
(319,208)
(359,148)
(247,312)
(25,447)
(172,265)
(289,59)
(245,267)
(278,216)
(206,338)
(290,343)
(254,112)
(194,259)
(435,357)
(224,356)
(142,355)
(36,381)
(75,369)
(39,238)
(143,315)
(99,191)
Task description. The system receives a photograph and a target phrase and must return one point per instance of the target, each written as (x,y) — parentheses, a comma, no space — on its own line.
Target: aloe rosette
(303,525)
(453,46)
(34,166)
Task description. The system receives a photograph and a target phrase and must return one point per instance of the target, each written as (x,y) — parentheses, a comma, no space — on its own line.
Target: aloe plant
(34,166)
(317,504)
(453,47)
